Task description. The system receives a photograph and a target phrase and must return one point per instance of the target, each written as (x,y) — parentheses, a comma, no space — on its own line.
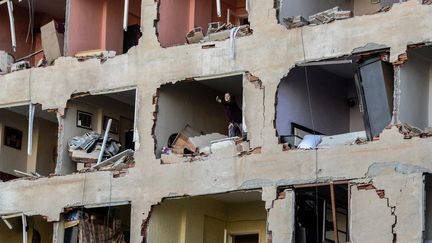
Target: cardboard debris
(182,143)
(52,42)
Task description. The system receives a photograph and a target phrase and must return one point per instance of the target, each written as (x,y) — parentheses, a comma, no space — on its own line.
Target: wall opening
(334,102)
(16,158)
(39,29)
(319,210)
(187,21)
(84,124)
(96,224)
(98,26)
(415,106)
(194,118)
(235,217)
(297,13)
(36,229)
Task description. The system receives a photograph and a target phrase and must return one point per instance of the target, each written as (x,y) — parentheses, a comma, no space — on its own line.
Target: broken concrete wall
(269,54)
(281,218)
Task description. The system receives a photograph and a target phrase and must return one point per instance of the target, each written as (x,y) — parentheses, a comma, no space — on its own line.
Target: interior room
(325,102)
(86,119)
(237,217)
(38,229)
(315,213)
(416,88)
(308,8)
(97,224)
(28,22)
(99,25)
(14,127)
(178,17)
(189,109)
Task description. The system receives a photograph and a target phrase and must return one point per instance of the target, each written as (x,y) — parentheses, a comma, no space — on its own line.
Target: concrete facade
(392,164)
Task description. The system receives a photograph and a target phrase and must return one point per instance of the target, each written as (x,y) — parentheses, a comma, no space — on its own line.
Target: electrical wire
(314,133)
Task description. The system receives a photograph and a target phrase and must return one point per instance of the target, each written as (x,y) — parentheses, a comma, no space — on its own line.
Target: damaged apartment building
(215,121)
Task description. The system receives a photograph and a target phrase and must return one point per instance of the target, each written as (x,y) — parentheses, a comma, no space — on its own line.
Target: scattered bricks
(427,2)
(381,193)
(256,150)
(366,187)
(155,99)
(401,59)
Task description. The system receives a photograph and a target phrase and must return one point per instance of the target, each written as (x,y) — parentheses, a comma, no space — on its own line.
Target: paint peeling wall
(268,54)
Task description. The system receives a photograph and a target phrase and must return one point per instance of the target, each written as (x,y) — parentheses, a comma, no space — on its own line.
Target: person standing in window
(233,115)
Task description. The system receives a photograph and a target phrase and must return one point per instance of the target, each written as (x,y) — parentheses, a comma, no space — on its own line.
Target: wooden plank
(333,204)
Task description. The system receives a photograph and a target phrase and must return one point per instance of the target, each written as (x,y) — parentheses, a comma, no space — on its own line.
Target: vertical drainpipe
(218,8)
(12,23)
(24,225)
(125,15)
(30,129)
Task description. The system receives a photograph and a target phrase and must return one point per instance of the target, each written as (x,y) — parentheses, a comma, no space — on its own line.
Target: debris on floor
(323,17)
(91,226)
(410,131)
(85,149)
(427,2)
(217,31)
(103,55)
(21,65)
(32,175)
(6,61)
(189,145)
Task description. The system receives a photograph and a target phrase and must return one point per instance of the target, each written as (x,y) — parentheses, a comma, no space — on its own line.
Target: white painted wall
(329,99)
(414,98)
(44,144)
(188,103)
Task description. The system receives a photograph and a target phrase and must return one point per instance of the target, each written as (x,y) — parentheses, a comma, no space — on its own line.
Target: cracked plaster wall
(268,54)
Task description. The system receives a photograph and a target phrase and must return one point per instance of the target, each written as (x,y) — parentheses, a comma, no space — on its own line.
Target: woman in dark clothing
(233,114)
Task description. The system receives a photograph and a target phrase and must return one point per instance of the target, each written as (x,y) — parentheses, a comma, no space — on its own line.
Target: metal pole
(108,127)
(12,24)
(30,129)
(24,225)
(218,8)
(335,230)
(125,15)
